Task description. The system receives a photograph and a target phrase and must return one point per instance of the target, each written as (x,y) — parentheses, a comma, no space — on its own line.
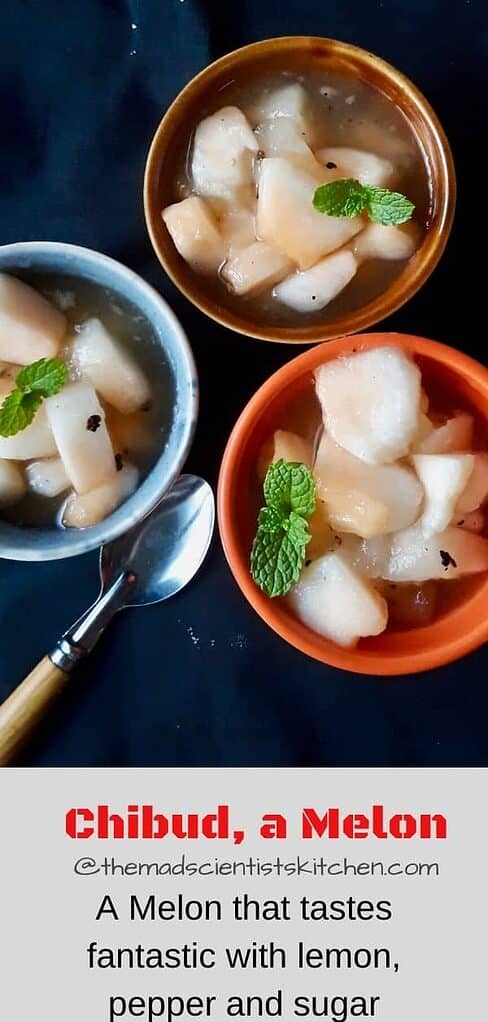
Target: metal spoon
(150,563)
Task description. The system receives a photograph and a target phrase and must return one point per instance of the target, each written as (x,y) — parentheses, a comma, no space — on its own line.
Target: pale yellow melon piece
(453,553)
(313,289)
(474,521)
(35,441)
(380,242)
(356,163)
(444,477)
(453,436)
(323,538)
(87,453)
(370,402)
(368,556)
(286,216)
(30,327)
(476,491)
(286,102)
(132,434)
(193,228)
(368,500)
(335,601)
(114,373)
(82,510)
(47,477)
(284,137)
(255,268)
(285,446)
(12,483)
(237,226)
(223,149)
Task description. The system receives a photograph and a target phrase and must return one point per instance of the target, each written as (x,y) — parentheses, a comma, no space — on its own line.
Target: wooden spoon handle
(24,708)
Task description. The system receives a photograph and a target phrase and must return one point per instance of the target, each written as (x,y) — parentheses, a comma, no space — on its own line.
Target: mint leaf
(47,377)
(289,486)
(345,197)
(387,208)
(278,550)
(278,555)
(18,411)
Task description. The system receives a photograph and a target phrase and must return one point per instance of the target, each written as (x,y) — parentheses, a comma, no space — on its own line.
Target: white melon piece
(476,491)
(114,373)
(474,521)
(288,101)
(35,441)
(222,154)
(370,402)
(368,556)
(444,477)
(47,477)
(335,601)
(77,420)
(453,436)
(365,167)
(284,137)
(378,241)
(368,500)
(82,510)
(12,483)
(255,268)
(313,289)
(287,219)
(30,327)
(453,553)
(193,228)
(237,226)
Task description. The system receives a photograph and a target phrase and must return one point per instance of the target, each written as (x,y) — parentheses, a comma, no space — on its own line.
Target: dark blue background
(200,680)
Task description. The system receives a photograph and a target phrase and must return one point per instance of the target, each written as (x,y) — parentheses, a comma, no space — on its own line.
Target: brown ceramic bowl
(298,53)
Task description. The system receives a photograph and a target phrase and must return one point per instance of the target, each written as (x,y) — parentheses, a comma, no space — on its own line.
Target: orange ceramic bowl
(450,376)
(298,54)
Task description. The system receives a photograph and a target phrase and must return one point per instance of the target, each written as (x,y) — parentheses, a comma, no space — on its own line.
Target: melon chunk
(286,446)
(453,436)
(288,101)
(367,500)
(12,483)
(334,600)
(453,553)
(77,420)
(287,219)
(223,149)
(237,227)
(476,491)
(114,373)
(48,477)
(311,290)
(195,234)
(35,441)
(444,477)
(30,327)
(255,268)
(380,242)
(281,137)
(365,167)
(370,402)
(368,556)
(82,510)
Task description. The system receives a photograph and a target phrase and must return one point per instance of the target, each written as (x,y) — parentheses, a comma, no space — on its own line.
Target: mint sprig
(348,197)
(33,384)
(279,547)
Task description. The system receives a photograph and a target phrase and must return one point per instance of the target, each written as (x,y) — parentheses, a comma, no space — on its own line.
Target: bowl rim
(364,317)
(303,639)
(156,483)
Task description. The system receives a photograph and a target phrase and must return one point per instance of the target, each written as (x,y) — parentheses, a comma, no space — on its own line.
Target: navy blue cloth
(201,680)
